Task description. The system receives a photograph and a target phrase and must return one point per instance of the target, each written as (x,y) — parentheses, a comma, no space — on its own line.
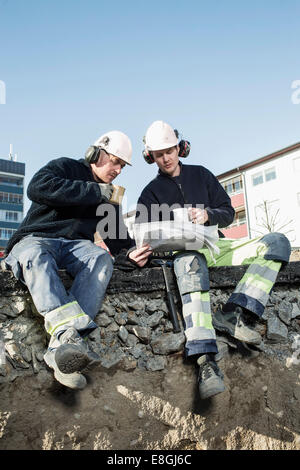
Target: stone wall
(144,394)
(134,325)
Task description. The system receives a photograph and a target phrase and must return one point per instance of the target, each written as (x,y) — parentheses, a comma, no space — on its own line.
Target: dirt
(141,410)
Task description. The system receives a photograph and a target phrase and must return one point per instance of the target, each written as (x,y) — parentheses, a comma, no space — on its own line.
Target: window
(233,186)
(239,219)
(257,179)
(11,198)
(6,233)
(11,180)
(12,216)
(270,174)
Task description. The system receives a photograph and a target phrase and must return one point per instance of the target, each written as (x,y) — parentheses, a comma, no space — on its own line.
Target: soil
(142,410)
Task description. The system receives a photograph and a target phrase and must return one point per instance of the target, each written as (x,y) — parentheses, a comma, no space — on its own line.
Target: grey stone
(123,333)
(295,310)
(112,358)
(103,320)
(141,332)
(137,350)
(156,363)
(136,305)
(155,305)
(131,340)
(108,309)
(132,319)
(168,343)
(121,318)
(277,331)
(285,316)
(154,319)
(113,327)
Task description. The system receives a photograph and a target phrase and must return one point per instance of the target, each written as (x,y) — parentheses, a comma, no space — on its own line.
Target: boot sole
(71,361)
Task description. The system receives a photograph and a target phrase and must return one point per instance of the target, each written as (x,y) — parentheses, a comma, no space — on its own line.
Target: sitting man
(193,185)
(58,233)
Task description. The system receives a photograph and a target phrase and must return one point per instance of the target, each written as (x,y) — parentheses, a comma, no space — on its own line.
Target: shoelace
(207,371)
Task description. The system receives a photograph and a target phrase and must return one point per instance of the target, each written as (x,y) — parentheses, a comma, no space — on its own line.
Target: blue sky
(220,72)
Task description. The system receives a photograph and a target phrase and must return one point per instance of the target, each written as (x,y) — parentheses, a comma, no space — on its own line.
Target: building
(266,195)
(11,198)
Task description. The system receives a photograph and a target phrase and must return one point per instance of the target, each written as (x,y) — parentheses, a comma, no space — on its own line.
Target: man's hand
(140,255)
(198,216)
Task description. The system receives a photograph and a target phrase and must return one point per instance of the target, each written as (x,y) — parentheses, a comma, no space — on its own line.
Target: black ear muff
(92,154)
(184,148)
(148,157)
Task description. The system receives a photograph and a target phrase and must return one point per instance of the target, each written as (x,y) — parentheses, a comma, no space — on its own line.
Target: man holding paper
(197,189)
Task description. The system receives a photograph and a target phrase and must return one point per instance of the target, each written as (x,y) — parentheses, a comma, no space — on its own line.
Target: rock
(168,343)
(103,320)
(131,340)
(136,305)
(121,318)
(277,331)
(128,364)
(16,358)
(123,334)
(156,363)
(132,319)
(137,351)
(141,332)
(155,305)
(112,358)
(295,311)
(108,309)
(155,319)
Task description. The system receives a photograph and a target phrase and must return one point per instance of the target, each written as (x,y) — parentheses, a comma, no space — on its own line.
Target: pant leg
(253,290)
(193,283)
(35,261)
(92,267)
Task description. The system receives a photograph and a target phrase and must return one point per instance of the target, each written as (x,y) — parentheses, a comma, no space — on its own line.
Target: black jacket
(65,198)
(195,185)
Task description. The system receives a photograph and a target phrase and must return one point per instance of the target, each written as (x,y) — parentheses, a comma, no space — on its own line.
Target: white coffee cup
(181,215)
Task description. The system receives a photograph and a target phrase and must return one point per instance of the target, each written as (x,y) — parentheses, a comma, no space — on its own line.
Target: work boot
(73,354)
(234,324)
(75,381)
(210,378)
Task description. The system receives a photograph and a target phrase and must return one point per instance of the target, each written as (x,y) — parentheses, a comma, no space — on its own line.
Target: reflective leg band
(253,290)
(70,314)
(199,330)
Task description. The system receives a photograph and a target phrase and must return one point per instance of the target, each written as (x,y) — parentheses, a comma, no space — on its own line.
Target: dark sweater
(195,185)
(65,198)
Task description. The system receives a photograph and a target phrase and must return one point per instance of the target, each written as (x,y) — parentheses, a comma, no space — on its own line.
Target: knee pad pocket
(278,247)
(191,272)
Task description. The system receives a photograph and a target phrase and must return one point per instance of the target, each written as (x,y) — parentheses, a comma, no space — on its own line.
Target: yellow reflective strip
(200,296)
(256,280)
(273,265)
(66,320)
(202,319)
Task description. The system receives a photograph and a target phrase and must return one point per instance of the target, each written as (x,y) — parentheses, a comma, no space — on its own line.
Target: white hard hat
(159,136)
(116,143)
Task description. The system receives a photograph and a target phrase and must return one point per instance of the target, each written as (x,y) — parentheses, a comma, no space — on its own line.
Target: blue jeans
(35,261)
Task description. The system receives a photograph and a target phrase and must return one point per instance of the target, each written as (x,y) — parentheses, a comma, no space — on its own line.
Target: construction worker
(58,233)
(192,185)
